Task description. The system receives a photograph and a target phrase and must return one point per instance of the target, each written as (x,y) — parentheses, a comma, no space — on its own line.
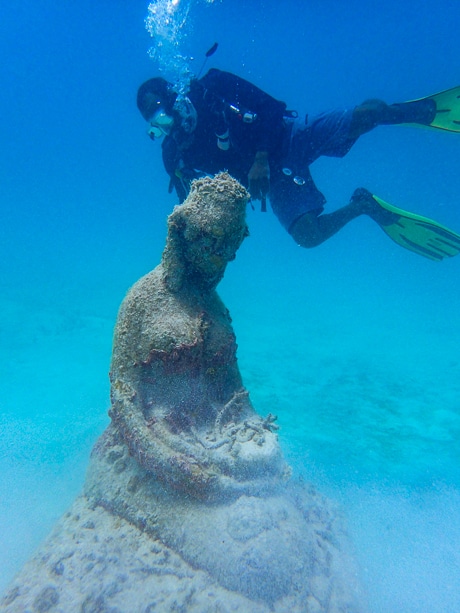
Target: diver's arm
(259,176)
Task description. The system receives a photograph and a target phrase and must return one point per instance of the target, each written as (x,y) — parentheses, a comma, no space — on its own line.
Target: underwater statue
(189,504)
(178,400)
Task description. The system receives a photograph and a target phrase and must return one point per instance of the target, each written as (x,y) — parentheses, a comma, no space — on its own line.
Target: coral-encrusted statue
(187,503)
(177,395)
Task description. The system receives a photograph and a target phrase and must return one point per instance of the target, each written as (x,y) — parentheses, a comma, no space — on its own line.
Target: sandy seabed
(368,408)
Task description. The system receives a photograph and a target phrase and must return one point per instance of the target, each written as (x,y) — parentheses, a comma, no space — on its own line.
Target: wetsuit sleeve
(171,163)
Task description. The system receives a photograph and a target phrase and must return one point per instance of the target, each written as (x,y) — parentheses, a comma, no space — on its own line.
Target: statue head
(205,232)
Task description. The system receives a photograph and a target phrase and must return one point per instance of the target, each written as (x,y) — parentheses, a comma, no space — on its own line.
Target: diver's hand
(259,176)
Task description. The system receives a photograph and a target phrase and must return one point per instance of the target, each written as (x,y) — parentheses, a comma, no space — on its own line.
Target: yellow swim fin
(447,115)
(419,234)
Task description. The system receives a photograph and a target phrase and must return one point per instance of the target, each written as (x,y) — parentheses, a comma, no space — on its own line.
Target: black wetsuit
(253,121)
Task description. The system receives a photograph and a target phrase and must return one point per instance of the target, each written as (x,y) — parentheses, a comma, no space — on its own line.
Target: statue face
(209,255)
(209,251)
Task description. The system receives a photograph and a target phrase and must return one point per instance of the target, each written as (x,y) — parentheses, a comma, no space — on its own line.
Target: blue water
(354,345)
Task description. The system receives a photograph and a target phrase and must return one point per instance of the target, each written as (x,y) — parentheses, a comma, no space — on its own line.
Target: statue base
(130,545)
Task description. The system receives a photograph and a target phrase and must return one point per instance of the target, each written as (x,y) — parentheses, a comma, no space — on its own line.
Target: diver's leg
(373,113)
(310,230)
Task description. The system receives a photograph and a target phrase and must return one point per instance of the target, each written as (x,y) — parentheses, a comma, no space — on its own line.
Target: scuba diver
(224,122)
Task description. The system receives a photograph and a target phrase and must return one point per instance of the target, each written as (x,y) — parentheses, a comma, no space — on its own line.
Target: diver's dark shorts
(292,191)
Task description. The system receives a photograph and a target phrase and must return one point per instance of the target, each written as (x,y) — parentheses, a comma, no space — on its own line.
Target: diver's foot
(366,204)
(363,199)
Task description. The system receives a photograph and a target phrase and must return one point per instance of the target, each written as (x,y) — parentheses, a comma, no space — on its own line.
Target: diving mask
(160,124)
